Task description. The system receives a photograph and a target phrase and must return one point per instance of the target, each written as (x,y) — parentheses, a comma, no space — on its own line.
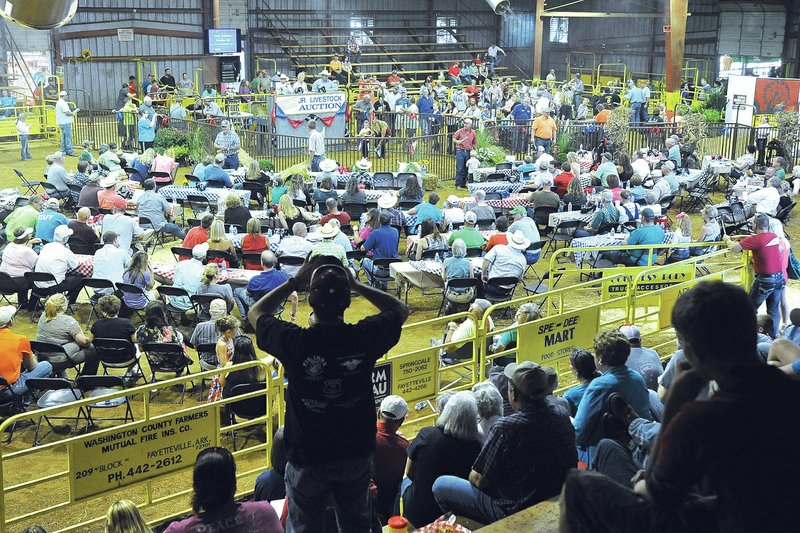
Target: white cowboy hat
(324,73)
(364,164)
(108,181)
(387,200)
(327,165)
(328,231)
(518,241)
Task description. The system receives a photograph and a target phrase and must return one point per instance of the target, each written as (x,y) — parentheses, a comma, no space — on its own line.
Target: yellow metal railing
(89,486)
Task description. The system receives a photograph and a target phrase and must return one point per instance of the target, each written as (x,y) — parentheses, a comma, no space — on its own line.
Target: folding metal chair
(166,358)
(95,284)
(96,386)
(54,392)
(30,185)
(248,409)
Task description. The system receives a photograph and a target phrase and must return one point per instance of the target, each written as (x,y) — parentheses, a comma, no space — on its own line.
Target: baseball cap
(51,203)
(225,123)
(199,251)
(470,217)
(394,407)
(452,199)
(482,304)
(7,312)
(217,308)
(61,233)
(518,210)
(528,377)
(543,165)
(329,290)
(62,93)
(631,331)
(220,158)
(648,213)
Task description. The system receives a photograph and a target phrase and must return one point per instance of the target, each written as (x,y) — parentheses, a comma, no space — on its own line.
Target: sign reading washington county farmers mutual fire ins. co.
(122,456)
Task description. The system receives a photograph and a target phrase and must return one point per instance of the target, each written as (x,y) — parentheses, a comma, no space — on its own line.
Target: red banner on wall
(773,94)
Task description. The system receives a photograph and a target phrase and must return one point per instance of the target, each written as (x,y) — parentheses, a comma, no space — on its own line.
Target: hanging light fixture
(39,14)
(500,7)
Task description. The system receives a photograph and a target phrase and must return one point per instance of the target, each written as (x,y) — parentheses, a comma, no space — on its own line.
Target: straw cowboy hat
(329,231)
(387,200)
(363,164)
(518,241)
(328,165)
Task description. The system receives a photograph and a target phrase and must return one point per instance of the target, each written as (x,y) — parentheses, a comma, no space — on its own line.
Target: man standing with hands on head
(465,141)
(329,368)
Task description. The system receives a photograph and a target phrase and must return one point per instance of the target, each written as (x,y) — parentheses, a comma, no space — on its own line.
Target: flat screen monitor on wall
(224,41)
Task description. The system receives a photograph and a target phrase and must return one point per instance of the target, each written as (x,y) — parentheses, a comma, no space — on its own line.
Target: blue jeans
(545,143)
(532,258)
(459,496)
(308,488)
(43,369)
(461,167)
(269,486)
(243,300)
(315,161)
(576,100)
(231,161)
(490,61)
(66,139)
(636,113)
(172,229)
(769,288)
(23,150)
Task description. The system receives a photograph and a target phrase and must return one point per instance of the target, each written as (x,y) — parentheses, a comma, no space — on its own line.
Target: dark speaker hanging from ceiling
(39,14)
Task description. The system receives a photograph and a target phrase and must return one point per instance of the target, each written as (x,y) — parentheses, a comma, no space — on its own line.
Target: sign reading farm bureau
(412,377)
(549,339)
(311,103)
(118,457)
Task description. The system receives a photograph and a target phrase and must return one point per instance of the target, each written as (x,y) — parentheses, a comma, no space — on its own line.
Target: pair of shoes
(459,188)
(617,407)
(146,235)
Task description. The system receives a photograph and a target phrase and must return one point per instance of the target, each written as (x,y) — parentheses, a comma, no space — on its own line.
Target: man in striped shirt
(228,143)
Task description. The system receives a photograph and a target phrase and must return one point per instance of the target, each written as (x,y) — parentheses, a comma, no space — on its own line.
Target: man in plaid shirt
(525,457)
(228,144)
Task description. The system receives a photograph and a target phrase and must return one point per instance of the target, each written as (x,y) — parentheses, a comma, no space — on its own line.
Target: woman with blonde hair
(254,243)
(575,194)
(147,157)
(219,241)
(165,162)
(296,188)
(288,213)
(56,327)
(228,329)
(253,171)
(236,213)
(124,517)
(209,284)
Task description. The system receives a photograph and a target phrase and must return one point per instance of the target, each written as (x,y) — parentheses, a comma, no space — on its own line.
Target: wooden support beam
(538,35)
(675,39)
(592,14)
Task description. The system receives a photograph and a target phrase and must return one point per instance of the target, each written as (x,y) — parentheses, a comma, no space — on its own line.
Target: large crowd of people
(632,446)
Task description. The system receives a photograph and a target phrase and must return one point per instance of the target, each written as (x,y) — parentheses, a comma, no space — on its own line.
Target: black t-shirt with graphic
(330,406)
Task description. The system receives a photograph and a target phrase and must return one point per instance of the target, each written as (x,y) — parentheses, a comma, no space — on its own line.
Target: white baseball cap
(393,407)
(7,312)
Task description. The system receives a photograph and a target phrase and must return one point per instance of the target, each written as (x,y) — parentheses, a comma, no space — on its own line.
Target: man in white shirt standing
(491,58)
(64,119)
(58,260)
(110,261)
(316,146)
(768,198)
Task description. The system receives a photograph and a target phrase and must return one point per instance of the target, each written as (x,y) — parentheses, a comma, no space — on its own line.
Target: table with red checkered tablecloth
(85,265)
(164,272)
(510,202)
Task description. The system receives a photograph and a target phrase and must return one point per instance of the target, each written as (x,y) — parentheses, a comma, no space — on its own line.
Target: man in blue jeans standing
(525,457)
(330,406)
(64,118)
(769,282)
(464,141)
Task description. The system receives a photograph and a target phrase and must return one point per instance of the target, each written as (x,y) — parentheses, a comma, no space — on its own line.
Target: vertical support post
(538,32)
(674,41)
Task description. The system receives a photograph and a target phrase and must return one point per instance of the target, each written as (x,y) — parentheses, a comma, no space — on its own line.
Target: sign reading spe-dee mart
(118,457)
(548,339)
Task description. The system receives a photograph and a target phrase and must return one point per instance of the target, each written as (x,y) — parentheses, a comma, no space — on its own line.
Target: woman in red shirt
(254,243)
(454,73)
